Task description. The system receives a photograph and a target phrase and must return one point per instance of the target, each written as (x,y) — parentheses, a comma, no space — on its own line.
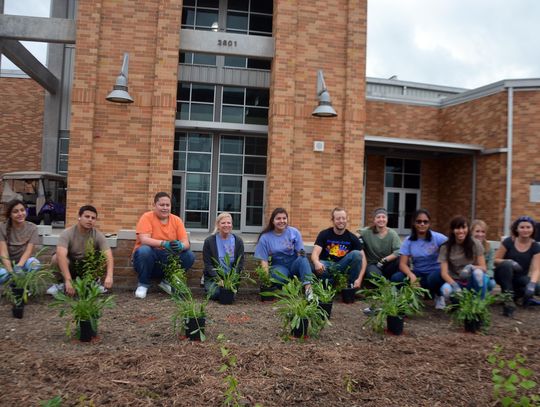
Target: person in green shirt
(381,245)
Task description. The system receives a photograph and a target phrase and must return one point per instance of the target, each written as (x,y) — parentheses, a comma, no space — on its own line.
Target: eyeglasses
(421,222)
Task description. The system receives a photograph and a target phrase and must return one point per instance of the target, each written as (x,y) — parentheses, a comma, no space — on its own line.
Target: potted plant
(265,282)
(392,302)
(300,317)
(85,307)
(22,283)
(228,279)
(189,318)
(341,283)
(325,293)
(174,273)
(471,310)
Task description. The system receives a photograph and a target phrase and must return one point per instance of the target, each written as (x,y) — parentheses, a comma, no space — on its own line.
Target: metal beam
(38,29)
(28,63)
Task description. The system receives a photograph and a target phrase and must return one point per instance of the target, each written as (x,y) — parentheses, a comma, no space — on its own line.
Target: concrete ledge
(52,240)
(44,230)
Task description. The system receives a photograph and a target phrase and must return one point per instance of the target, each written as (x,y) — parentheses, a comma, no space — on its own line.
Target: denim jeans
(290,266)
(351,264)
(149,261)
(473,283)
(430,281)
(388,270)
(30,265)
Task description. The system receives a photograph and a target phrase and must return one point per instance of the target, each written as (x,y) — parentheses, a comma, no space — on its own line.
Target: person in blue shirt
(218,245)
(281,251)
(421,248)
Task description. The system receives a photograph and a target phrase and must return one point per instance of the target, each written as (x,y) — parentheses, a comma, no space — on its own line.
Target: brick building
(223,94)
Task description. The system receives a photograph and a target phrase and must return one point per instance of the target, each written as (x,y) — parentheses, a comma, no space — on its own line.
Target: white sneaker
(309,294)
(102,289)
(165,286)
(440,303)
(202,281)
(141,291)
(55,289)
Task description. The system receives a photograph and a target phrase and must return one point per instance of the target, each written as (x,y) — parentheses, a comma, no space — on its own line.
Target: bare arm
(147,240)
(5,256)
(358,281)
(535,266)
(264,265)
(63,265)
(110,269)
(481,263)
(405,269)
(444,273)
(315,254)
(499,255)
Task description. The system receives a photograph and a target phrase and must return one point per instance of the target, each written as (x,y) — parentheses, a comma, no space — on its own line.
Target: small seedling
(231,393)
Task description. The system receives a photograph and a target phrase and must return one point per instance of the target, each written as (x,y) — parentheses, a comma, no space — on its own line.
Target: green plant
(392,299)
(232,394)
(86,305)
(513,383)
(174,272)
(340,277)
(54,402)
(470,306)
(228,275)
(293,307)
(33,281)
(323,290)
(187,308)
(263,276)
(93,264)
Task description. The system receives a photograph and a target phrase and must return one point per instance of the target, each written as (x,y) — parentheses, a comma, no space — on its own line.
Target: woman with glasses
(517,264)
(421,248)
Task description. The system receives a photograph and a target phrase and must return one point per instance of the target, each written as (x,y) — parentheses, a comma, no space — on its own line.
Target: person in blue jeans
(463,264)
(18,239)
(160,234)
(337,247)
(281,251)
(421,248)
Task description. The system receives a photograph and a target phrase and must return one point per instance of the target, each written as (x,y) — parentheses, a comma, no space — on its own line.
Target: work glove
(529,290)
(177,245)
(381,263)
(455,288)
(466,272)
(18,270)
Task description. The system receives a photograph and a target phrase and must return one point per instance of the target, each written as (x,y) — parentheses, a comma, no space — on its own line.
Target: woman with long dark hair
(462,261)
(421,248)
(17,241)
(281,250)
(517,264)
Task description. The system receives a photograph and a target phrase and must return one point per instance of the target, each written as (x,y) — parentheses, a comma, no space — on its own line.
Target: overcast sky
(463,43)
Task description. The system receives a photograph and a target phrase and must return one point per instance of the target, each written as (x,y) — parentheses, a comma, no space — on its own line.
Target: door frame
(401,229)
(243,211)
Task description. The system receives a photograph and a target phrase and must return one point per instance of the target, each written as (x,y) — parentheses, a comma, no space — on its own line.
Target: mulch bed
(138,361)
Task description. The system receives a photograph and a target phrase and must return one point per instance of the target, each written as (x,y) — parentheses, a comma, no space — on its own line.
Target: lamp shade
(120,93)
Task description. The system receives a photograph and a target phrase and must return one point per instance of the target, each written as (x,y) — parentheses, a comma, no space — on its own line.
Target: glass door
(252,204)
(401,204)
(177,196)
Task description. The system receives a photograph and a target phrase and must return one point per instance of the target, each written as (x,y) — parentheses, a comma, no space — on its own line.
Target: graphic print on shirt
(337,248)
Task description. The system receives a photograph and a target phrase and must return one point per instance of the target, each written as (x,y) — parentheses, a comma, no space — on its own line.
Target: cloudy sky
(463,43)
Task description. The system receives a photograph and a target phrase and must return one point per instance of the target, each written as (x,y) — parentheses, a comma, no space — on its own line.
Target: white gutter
(509,142)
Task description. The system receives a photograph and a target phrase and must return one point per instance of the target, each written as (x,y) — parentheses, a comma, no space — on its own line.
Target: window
(199,14)
(63,152)
(195,102)
(401,173)
(196,58)
(252,17)
(249,63)
(245,105)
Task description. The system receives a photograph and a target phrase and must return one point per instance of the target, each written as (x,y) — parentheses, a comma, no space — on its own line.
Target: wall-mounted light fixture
(120,89)
(324,109)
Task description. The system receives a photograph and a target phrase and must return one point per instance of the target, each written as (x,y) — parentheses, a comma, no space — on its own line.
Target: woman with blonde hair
(216,248)
(479,231)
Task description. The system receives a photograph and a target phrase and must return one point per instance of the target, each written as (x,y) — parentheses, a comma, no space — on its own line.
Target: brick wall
(121,155)
(21,124)
(309,184)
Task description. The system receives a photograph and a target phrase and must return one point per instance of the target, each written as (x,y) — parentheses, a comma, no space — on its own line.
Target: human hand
(319,267)
(381,263)
(17,269)
(455,287)
(413,278)
(466,272)
(529,290)
(68,288)
(108,282)
(177,245)
(357,283)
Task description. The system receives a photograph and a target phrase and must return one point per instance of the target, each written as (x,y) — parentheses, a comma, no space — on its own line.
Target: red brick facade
(21,125)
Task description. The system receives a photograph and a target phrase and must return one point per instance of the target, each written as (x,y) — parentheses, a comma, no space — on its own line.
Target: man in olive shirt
(71,247)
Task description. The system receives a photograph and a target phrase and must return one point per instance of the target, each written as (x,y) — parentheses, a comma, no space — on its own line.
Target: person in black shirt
(338,247)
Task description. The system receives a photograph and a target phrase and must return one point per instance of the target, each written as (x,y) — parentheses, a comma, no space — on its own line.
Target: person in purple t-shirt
(280,249)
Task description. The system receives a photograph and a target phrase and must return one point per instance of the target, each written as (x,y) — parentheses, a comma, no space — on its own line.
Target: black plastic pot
(86,332)
(394,325)
(302,329)
(194,328)
(508,310)
(226,297)
(348,295)
(472,326)
(326,307)
(18,311)
(265,298)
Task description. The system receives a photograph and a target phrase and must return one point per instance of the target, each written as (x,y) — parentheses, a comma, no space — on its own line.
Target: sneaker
(202,281)
(371,311)
(440,302)
(141,291)
(309,294)
(102,289)
(55,289)
(165,286)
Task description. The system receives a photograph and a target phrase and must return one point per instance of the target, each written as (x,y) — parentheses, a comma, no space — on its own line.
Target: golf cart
(44,193)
